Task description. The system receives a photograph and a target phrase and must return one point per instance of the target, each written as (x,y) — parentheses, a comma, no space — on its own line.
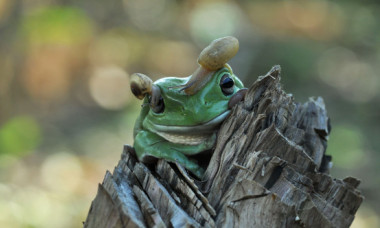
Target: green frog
(180,116)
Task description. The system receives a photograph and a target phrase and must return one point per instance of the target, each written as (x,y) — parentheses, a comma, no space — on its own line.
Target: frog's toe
(210,142)
(199,172)
(194,168)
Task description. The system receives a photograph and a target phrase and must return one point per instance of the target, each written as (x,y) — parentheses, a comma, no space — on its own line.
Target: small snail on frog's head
(180,116)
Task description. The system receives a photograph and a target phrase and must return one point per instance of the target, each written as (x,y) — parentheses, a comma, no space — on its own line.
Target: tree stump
(268,169)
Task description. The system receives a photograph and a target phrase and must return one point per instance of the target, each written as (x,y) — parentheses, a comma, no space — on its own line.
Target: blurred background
(66,109)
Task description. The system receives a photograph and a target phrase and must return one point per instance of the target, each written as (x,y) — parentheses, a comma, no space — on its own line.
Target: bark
(268,169)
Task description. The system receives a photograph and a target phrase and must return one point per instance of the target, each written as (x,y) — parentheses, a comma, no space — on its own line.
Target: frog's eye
(156,102)
(227,84)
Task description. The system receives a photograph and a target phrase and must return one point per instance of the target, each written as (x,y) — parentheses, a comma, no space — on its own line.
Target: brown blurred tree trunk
(268,169)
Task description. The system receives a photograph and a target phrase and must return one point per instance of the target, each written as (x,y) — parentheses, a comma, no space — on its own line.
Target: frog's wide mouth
(207,127)
(189,135)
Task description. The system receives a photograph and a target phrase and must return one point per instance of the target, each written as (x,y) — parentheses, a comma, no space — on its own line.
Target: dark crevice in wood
(274,177)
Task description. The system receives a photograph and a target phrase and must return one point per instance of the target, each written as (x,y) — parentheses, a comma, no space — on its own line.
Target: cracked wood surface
(268,169)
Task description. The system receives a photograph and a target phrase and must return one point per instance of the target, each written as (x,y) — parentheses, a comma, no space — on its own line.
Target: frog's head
(196,104)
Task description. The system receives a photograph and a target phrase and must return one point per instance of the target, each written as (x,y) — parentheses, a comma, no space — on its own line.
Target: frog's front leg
(148,144)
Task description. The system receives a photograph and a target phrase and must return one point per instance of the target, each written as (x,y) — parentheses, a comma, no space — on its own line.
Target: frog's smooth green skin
(174,122)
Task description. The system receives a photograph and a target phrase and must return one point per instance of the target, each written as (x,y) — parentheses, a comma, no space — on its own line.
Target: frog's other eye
(156,102)
(227,84)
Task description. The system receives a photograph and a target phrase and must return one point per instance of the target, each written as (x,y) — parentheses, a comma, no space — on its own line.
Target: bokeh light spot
(62,172)
(214,20)
(355,80)
(109,87)
(366,217)
(148,16)
(306,14)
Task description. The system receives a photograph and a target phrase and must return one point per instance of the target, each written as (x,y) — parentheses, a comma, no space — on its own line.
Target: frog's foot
(198,172)
(210,142)
(192,166)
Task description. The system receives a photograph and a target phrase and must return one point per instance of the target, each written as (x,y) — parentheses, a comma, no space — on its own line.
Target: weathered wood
(268,169)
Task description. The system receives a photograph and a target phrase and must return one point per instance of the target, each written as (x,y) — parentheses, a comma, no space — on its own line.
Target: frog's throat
(189,135)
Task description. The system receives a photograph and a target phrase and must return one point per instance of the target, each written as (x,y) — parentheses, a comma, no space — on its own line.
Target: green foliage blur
(66,110)
(19,136)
